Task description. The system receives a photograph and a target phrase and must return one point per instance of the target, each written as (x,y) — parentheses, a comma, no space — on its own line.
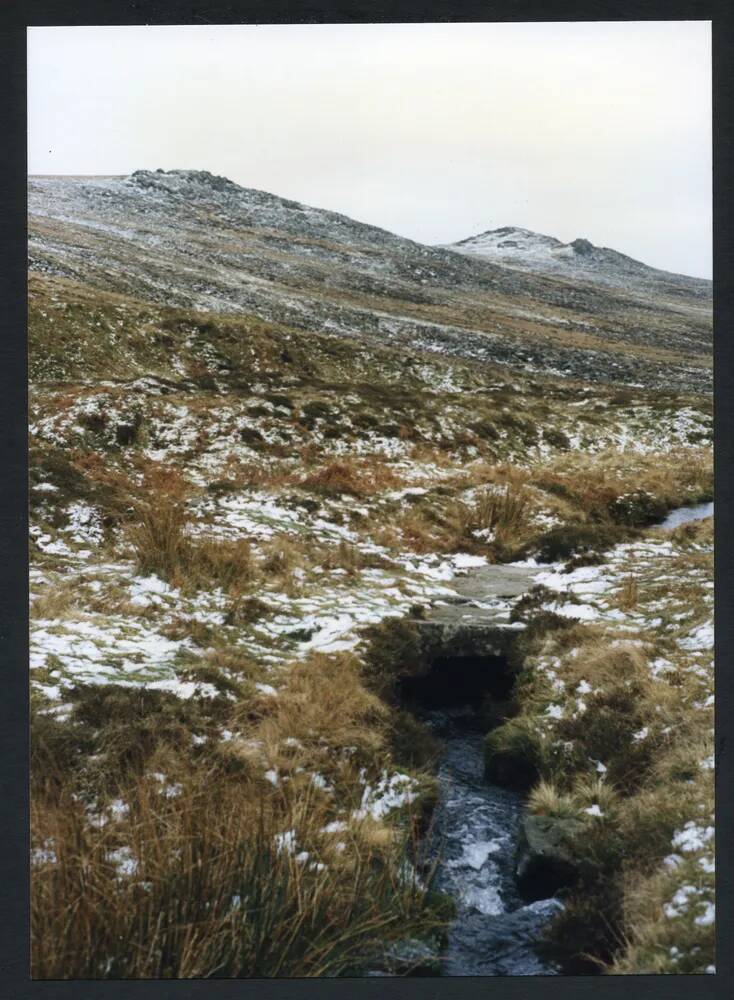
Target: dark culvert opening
(450,682)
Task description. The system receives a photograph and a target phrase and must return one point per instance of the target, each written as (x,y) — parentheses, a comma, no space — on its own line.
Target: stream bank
(500,866)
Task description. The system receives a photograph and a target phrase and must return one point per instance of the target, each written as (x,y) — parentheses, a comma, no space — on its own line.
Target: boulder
(413,957)
(546,860)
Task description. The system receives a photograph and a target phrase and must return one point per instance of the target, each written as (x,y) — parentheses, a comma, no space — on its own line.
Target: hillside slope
(190,239)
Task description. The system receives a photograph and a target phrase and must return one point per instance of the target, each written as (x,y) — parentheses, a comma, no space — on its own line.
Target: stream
(682,515)
(475,825)
(474,838)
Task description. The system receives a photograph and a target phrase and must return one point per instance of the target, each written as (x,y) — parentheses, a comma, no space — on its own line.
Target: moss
(485,429)
(493,711)
(51,465)
(316,410)
(424,804)
(538,623)
(128,432)
(589,925)
(623,397)
(252,436)
(220,487)
(204,381)
(412,743)
(605,731)
(513,754)
(112,729)
(637,508)
(562,542)
(258,411)
(526,429)
(367,421)
(556,438)
(583,559)
(394,652)
(279,400)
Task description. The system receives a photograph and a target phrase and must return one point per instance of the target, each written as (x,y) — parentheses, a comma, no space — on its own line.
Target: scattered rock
(545,860)
(413,957)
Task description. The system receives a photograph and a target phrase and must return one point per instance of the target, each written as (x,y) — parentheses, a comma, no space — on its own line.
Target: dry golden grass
(325,704)
(503,514)
(351,477)
(591,482)
(546,800)
(214,888)
(55,603)
(628,593)
(415,533)
(344,555)
(229,563)
(588,791)
(163,545)
(159,540)
(271,474)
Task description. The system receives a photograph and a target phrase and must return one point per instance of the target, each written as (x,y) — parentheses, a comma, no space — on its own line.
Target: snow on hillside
(187,238)
(526,250)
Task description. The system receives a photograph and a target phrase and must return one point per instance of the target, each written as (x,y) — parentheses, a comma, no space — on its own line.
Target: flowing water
(474,836)
(476,824)
(695,512)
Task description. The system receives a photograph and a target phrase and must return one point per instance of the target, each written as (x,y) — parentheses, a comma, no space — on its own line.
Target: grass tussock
(212,882)
(159,855)
(163,547)
(325,704)
(159,534)
(393,652)
(546,800)
(499,517)
(159,540)
(351,477)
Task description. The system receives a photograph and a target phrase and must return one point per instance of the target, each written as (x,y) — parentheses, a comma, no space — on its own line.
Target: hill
(190,239)
(580,260)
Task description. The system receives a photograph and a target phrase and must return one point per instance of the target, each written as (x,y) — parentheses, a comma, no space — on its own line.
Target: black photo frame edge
(15,17)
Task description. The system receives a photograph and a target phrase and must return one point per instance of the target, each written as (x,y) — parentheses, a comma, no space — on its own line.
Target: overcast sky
(436,132)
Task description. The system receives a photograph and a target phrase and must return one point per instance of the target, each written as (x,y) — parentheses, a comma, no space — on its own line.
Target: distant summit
(525,250)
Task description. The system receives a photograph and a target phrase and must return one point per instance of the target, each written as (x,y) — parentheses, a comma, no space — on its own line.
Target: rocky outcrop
(476,622)
(536,253)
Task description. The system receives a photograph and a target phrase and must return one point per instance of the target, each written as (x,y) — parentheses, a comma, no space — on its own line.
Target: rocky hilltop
(191,239)
(580,260)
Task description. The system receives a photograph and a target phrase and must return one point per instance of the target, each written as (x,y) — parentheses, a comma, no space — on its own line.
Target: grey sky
(435,132)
